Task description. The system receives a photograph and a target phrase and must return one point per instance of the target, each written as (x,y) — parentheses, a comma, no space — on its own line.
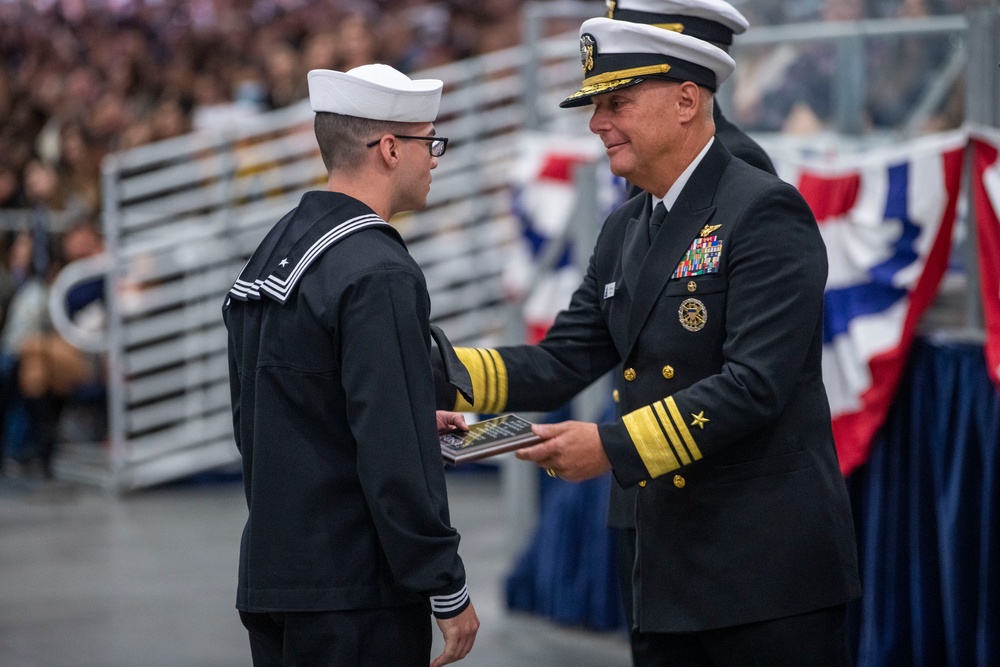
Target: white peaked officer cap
(617,54)
(377,92)
(712,20)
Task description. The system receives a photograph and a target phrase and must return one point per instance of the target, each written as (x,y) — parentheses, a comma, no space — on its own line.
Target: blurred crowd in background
(789,87)
(82,78)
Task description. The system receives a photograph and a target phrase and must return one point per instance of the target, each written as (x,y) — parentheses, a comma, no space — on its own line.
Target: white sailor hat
(378,92)
(712,20)
(616,54)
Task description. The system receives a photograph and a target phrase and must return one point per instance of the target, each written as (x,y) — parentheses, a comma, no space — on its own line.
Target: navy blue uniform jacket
(742,513)
(621,502)
(739,143)
(333,412)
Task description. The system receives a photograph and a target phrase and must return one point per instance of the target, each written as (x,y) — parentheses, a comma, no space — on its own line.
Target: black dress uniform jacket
(739,144)
(333,411)
(742,512)
(621,502)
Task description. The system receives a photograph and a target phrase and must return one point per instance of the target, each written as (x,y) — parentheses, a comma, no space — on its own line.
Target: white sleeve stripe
(446,603)
(444,598)
(451,607)
(445,610)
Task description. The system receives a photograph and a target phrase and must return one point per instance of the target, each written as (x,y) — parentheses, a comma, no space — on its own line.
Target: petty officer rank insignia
(702,257)
(692,314)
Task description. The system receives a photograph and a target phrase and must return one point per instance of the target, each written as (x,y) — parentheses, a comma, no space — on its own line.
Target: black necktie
(656,219)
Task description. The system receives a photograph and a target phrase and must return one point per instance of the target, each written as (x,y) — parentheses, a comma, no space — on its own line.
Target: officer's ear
(689,101)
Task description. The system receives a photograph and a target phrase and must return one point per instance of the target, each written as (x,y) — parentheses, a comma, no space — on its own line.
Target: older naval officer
(707,289)
(348,548)
(716,22)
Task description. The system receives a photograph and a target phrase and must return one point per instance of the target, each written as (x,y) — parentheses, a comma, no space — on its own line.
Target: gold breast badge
(708,229)
(693,315)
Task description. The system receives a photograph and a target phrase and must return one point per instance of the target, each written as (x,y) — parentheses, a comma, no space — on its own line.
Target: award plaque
(487,438)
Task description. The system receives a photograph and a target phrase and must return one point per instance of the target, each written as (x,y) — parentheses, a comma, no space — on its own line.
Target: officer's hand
(451,421)
(572,451)
(459,636)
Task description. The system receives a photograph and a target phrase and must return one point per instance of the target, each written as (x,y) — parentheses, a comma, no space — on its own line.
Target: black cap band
(710,31)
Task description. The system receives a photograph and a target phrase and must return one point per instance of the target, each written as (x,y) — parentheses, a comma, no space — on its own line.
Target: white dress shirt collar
(674,192)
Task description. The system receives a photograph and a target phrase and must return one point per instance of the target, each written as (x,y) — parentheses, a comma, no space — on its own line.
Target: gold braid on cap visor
(594,85)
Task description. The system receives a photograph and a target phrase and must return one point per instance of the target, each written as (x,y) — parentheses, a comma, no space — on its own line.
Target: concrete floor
(88,579)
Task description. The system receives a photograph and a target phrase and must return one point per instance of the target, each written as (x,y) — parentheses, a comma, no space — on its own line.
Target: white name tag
(609,290)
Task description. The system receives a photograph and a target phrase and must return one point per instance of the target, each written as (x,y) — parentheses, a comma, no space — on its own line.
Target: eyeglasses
(437,146)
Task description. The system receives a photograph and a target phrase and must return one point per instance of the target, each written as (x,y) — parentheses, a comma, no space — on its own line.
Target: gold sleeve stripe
(649,441)
(489,380)
(682,428)
(462,405)
(675,439)
(500,369)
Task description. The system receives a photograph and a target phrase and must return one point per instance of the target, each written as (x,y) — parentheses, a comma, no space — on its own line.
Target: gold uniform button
(679,481)
(629,374)
(692,286)
(668,372)
(642,483)
(614,395)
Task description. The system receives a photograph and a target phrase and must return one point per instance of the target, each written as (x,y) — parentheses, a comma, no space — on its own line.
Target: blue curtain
(567,573)
(927,511)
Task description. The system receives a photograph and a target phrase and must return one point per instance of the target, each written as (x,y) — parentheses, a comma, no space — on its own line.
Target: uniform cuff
(626,464)
(450,605)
